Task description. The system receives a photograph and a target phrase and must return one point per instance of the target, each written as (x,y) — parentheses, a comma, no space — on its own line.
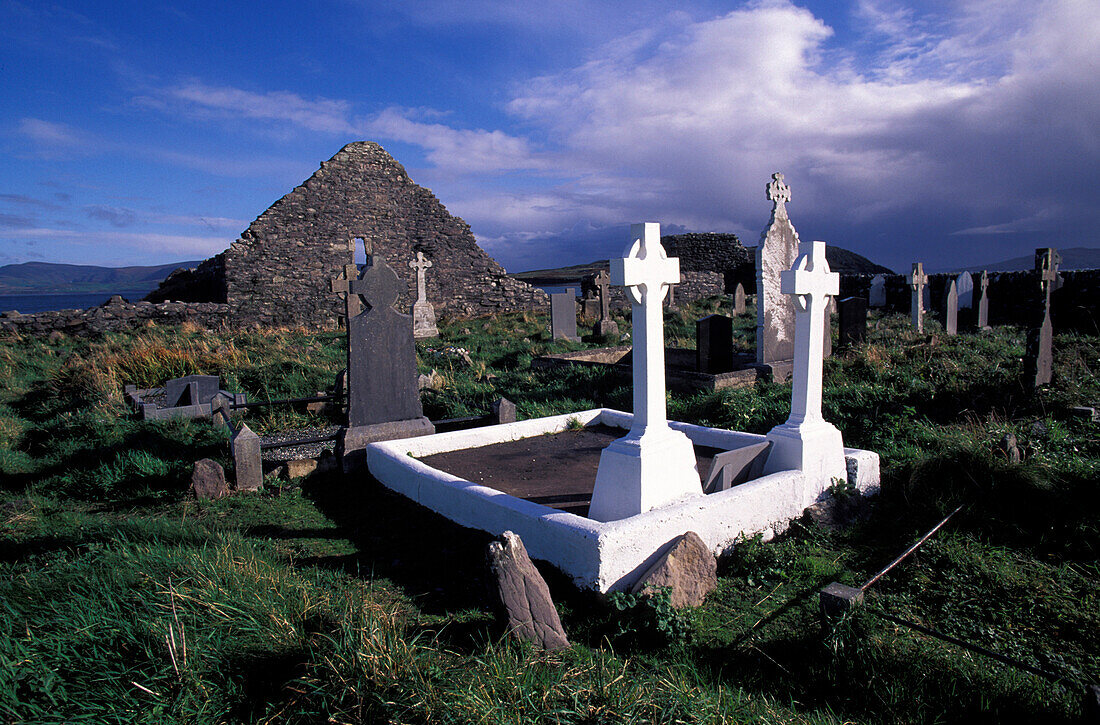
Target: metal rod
(973,647)
(299,442)
(911,549)
(286,401)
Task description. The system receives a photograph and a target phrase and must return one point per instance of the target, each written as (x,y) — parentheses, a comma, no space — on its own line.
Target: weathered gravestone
(983,302)
(423,313)
(951,309)
(714,344)
(738,300)
(1038,360)
(964,286)
(563,315)
(529,612)
(606,326)
(853,321)
(247,460)
(877,296)
(191,390)
(383,399)
(339,287)
(917,281)
(208,480)
(775,254)
(652,464)
(687,568)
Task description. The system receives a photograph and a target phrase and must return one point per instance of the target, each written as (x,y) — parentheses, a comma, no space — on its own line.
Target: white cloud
(120,247)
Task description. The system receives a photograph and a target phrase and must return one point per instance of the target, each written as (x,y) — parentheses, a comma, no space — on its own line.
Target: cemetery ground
(330,599)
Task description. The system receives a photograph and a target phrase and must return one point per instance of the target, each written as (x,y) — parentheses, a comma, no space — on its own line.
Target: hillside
(46,277)
(1073,258)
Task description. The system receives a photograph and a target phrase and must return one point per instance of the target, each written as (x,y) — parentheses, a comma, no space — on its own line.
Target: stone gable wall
(278,272)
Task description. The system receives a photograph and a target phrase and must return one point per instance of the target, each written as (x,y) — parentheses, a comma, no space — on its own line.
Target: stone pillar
(247,461)
(917,280)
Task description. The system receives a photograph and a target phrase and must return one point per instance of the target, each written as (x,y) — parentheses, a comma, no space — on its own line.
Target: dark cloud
(14,221)
(115,216)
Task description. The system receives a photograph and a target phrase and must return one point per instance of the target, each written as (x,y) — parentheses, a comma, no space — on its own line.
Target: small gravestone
(688,568)
(1010,448)
(590,300)
(563,315)
(714,344)
(1039,357)
(964,286)
(524,597)
(917,281)
(423,313)
(191,390)
(775,254)
(383,399)
(503,411)
(877,296)
(606,327)
(738,300)
(208,480)
(983,302)
(951,309)
(734,467)
(853,321)
(247,463)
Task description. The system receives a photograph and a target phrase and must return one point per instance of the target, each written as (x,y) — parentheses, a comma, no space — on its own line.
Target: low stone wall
(114,315)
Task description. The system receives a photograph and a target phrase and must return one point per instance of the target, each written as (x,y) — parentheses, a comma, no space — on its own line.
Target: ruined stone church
(279,271)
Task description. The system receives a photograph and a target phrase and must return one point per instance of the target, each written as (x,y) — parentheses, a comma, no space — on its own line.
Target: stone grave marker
(877,296)
(191,390)
(688,569)
(383,399)
(590,298)
(529,612)
(734,467)
(247,461)
(917,281)
(951,309)
(827,329)
(339,287)
(563,315)
(964,286)
(983,302)
(714,344)
(208,480)
(775,254)
(806,442)
(423,313)
(653,464)
(606,326)
(1039,357)
(853,321)
(738,300)
(671,299)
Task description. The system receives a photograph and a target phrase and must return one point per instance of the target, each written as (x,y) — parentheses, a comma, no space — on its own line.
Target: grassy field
(329,599)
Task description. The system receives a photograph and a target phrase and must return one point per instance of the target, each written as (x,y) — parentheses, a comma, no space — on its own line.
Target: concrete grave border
(605,556)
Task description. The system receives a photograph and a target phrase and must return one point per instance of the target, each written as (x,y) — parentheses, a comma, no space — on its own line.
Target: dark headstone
(247,462)
(688,567)
(738,300)
(877,295)
(524,596)
(837,599)
(563,315)
(951,309)
(191,390)
(503,411)
(714,344)
(208,480)
(853,321)
(734,467)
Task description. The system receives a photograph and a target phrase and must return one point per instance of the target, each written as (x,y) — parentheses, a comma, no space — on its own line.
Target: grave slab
(563,315)
(714,344)
(853,321)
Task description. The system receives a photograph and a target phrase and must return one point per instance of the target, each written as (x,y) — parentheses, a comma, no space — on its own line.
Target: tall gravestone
(951,309)
(606,326)
(423,313)
(653,464)
(983,301)
(853,321)
(964,286)
(383,399)
(714,344)
(738,300)
(917,281)
(775,254)
(1039,358)
(877,296)
(563,315)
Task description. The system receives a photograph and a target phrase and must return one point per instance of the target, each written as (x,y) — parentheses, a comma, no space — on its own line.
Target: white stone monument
(917,281)
(653,464)
(806,442)
(423,313)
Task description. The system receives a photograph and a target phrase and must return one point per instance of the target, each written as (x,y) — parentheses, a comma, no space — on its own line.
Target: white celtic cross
(780,193)
(420,264)
(812,284)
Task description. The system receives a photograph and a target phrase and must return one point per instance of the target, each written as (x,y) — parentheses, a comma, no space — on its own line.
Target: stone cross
(339,286)
(1039,355)
(420,264)
(806,441)
(983,302)
(605,326)
(653,464)
(917,280)
(779,193)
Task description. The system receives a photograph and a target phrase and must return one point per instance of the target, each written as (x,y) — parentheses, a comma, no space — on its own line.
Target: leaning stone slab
(524,596)
(688,568)
(732,468)
(208,480)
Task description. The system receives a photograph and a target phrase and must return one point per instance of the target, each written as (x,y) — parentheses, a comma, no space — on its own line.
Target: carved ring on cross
(640,250)
(379,286)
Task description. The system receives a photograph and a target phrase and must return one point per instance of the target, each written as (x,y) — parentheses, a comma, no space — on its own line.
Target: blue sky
(951,132)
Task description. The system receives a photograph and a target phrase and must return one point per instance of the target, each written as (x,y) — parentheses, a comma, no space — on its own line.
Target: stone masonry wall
(278,272)
(115,315)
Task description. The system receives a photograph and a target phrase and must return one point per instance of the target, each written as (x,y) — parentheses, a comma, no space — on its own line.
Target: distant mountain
(46,278)
(1073,258)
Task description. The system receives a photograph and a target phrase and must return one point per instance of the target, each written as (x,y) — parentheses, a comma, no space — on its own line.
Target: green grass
(333,600)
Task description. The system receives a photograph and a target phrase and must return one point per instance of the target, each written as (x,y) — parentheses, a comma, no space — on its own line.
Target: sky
(954,133)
